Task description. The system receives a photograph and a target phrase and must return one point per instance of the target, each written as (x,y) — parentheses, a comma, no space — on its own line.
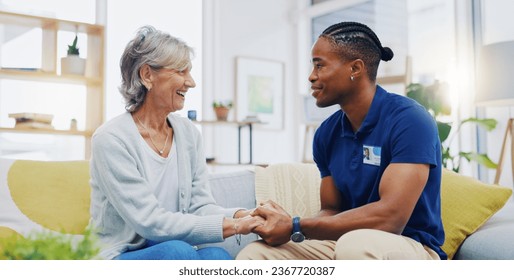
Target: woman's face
(169,88)
(330,76)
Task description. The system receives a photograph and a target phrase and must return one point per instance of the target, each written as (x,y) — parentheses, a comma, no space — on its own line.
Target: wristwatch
(297,236)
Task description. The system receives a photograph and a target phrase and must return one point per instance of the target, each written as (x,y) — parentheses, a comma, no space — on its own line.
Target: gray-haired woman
(150,198)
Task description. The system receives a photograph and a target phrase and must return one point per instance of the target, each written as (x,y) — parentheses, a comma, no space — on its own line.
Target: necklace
(151,139)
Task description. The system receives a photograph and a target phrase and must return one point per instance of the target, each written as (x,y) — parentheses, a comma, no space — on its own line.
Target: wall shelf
(85,133)
(42,76)
(14,25)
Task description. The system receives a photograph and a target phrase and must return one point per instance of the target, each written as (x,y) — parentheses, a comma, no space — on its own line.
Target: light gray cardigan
(123,207)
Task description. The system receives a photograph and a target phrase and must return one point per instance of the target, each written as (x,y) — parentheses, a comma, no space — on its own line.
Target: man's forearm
(331,224)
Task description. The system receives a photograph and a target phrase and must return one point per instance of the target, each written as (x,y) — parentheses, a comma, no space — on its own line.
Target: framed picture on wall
(260,91)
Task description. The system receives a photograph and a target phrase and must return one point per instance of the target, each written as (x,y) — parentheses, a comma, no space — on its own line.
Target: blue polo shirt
(396,130)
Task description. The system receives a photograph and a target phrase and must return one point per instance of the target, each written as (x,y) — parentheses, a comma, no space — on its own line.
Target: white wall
(258,29)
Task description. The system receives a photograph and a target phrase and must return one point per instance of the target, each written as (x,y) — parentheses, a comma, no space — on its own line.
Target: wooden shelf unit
(92,80)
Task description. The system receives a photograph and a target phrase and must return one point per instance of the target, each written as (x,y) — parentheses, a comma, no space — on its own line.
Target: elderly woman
(150,198)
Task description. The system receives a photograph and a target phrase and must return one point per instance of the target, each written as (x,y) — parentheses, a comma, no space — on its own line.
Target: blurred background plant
(221,109)
(49,246)
(435,99)
(222,103)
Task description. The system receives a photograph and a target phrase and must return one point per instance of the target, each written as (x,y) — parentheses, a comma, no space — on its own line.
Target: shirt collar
(370,120)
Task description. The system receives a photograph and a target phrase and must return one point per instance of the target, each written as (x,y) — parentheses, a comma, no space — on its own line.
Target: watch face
(297,237)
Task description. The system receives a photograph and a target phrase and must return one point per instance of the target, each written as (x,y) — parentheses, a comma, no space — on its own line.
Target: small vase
(73,64)
(221,113)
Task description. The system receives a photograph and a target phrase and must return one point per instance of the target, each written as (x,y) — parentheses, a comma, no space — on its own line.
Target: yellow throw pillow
(6,232)
(6,235)
(466,205)
(39,195)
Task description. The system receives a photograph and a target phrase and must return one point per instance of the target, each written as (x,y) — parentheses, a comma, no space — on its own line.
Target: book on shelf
(32,120)
(33,124)
(253,119)
(32,117)
(22,69)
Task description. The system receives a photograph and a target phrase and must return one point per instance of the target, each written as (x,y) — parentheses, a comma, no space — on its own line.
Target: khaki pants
(362,244)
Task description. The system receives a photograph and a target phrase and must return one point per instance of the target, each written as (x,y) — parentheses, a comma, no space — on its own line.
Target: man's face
(330,76)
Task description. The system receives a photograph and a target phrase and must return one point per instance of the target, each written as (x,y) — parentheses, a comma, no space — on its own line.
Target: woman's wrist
(237,234)
(229,228)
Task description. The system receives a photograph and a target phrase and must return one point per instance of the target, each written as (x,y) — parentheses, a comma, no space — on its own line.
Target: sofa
(54,196)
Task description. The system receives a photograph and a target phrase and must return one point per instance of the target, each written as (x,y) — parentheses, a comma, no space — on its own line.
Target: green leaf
(72,49)
(443,130)
(417,92)
(482,159)
(220,103)
(439,101)
(435,99)
(487,124)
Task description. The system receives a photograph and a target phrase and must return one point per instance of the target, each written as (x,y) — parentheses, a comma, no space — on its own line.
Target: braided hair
(353,40)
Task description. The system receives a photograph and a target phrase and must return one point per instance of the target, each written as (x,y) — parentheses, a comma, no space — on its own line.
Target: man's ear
(146,74)
(358,68)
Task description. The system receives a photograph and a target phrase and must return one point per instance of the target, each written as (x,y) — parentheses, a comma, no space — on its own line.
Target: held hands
(277,226)
(243,225)
(247,224)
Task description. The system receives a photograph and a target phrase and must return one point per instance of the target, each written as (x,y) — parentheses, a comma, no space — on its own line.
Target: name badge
(371,155)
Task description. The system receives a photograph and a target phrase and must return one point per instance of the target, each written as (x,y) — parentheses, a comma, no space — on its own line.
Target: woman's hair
(158,50)
(353,40)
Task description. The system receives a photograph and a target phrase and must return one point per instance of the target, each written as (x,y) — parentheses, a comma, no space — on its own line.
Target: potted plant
(433,98)
(73,63)
(221,109)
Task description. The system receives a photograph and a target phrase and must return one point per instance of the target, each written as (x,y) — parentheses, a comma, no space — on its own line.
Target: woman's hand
(248,223)
(243,225)
(243,213)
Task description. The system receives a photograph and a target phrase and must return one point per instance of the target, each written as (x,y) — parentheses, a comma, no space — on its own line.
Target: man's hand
(247,224)
(278,226)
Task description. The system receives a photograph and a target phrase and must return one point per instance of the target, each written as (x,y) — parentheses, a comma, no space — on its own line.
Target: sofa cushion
(37,195)
(466,205)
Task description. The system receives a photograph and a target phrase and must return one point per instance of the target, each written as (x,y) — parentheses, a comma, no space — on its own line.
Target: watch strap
(296,224)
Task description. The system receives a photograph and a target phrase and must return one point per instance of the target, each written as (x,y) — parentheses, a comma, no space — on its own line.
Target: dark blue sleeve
(414,137)
(319,150)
